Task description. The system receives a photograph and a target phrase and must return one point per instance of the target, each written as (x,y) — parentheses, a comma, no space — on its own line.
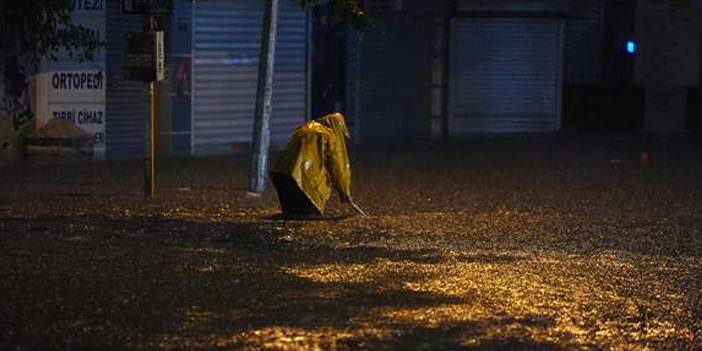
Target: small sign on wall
(77,86)
(89,117)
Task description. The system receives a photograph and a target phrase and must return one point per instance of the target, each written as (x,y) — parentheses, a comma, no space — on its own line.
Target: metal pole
(152,109)
(149,169)
(147,149)
(150,164)
(261,131)
(193,74)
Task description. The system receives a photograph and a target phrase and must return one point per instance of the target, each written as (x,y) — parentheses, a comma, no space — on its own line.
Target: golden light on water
(542,297)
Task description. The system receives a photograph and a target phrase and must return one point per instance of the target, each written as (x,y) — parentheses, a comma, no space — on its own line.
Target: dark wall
(619,18)
(329,63)
(612,102)
(694,109)
(603,107)
(395,84)
(180,76)
(617,107)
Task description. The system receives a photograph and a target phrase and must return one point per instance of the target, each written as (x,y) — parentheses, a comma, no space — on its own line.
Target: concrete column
(667,61)
(439,83)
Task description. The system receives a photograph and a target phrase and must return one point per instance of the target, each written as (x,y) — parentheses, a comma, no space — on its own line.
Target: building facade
(423,69)
(206,104)
(455,68)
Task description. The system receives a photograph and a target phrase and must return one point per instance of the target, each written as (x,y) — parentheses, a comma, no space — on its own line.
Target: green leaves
(344,11)
(41,28)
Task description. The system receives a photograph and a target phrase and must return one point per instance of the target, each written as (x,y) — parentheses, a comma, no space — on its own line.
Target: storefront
(206,103)
(505,75)
(226,41)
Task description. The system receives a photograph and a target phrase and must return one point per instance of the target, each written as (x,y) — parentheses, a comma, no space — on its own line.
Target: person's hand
(344,199)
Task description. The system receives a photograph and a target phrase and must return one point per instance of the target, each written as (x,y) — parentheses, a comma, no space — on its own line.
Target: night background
(529,172)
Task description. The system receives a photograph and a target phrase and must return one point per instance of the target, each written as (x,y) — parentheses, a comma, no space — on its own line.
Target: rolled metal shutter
(127,101)
(505,75)
(226,49)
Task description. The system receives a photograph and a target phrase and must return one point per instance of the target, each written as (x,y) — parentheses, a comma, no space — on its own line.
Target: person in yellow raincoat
(314,162)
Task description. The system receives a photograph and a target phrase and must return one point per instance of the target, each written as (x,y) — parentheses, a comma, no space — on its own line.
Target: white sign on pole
(160,56)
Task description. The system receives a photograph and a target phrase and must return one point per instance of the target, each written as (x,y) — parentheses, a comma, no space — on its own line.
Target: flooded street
(541,242)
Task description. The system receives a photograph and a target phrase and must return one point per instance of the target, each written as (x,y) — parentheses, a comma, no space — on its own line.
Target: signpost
(145,61)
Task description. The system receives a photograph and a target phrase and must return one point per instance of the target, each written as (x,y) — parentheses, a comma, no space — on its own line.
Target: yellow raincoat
(316,160)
